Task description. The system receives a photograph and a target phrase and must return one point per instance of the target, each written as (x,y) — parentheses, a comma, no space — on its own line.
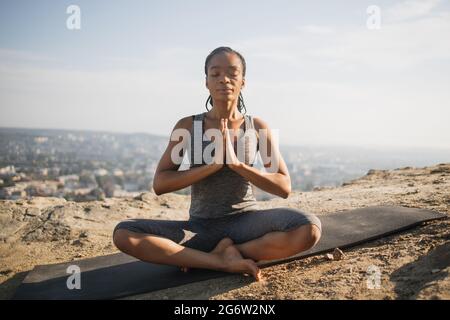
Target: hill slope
(414,264)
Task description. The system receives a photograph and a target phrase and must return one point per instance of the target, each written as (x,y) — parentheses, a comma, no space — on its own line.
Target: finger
(224,129)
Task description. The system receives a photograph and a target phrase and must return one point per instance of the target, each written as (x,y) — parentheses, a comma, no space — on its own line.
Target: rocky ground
(413,265)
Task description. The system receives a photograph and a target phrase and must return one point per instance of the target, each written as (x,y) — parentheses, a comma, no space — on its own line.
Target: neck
(225,110)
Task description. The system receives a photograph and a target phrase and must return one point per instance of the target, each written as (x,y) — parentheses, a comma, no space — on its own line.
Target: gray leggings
(240,227)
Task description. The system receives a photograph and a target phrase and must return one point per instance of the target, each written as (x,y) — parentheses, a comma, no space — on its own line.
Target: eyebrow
(230,67)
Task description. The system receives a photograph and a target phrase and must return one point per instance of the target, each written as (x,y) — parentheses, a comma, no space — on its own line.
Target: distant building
(68,178)
(14,192)
(101,172)
(42,188)
(70,181)
(7,171)
(118,193)
(18,194)
(40,139)
(118,172)
(43,172)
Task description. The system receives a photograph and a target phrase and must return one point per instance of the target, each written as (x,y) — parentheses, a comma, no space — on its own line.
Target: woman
(231,232)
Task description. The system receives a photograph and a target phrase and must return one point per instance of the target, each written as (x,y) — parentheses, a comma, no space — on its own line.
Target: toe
(254,270)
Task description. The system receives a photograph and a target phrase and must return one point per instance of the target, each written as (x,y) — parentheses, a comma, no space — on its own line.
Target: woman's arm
(277,181)
(167,177)
(171,180)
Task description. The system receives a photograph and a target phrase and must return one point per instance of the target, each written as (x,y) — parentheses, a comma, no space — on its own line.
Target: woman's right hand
(219,152)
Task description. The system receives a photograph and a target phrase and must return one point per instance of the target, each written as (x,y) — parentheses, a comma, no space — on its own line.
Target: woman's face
(225,79)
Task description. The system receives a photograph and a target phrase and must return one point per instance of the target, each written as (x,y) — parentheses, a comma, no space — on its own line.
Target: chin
(225,98)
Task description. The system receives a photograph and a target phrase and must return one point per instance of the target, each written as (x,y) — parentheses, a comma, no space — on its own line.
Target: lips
(225,90)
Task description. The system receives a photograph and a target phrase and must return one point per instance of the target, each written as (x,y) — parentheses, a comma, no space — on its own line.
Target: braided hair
(241,104)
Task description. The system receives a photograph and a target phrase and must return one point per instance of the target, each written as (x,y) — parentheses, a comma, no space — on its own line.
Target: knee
(310,235)
(314,235)
(121,239)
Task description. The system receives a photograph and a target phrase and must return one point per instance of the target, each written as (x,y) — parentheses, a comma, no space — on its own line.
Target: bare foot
(234,262)
(221,245)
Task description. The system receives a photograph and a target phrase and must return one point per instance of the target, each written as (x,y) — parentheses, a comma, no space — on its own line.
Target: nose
(224,79)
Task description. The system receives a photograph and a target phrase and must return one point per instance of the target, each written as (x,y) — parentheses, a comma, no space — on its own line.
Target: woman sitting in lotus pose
(231,232)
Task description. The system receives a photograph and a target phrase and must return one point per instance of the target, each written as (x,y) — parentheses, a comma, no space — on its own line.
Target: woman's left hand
(232,160)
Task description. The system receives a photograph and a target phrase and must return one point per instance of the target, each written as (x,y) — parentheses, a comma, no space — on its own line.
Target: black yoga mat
(119,275)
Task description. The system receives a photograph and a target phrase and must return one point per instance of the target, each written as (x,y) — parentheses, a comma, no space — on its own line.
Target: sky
(317,71)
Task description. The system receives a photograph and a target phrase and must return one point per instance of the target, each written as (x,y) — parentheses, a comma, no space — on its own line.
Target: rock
(47,231)
(139,197)
(107,206)
(435,270)
(77,242)
(440,180)
(84,234)
(165,204)
(5,272)
(338,254)
(371,171)
(148,197)
(33,212)
(411,184)
(35,235)
(441,170)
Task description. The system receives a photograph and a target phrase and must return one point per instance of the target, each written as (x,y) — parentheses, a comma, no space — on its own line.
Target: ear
(243,83)
(206,83)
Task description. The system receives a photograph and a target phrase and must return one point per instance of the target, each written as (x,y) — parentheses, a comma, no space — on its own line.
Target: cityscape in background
(89,165)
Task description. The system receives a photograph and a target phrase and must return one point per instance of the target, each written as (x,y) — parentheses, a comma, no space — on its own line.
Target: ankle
(217,261)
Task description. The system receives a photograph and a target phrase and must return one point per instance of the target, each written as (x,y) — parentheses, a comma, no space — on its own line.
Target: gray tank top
(224,192)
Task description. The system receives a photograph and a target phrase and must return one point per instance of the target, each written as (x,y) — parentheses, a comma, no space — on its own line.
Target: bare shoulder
(260,123)
(184,123)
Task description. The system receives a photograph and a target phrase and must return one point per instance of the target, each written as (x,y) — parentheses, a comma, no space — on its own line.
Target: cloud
(118,98)
(21,57)
(410,9)
(319,83)
(398,45)
(316,29)
(342,82)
